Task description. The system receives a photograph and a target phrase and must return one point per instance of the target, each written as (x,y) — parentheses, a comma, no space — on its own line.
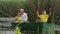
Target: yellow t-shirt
(44,18)
(18,19)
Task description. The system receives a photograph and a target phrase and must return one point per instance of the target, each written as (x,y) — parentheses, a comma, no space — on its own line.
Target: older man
(24,16)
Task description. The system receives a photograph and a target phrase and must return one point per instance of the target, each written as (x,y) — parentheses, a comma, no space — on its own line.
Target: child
(18,18)
(43,17)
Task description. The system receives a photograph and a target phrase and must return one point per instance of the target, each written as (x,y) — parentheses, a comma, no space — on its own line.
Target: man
(43,17)
(24,16)
(20,18)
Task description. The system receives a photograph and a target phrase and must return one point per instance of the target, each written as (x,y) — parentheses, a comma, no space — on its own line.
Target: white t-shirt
(24,17)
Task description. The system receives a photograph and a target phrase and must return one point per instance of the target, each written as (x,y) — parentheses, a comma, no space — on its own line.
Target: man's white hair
(22,9)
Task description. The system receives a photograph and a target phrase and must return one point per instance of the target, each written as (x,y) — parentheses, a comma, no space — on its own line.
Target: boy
(43,17)
(18,18)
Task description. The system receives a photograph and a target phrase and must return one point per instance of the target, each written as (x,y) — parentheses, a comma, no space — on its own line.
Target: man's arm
(25,17)
(15,17)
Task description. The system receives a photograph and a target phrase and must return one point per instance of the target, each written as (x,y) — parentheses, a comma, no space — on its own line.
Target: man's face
(21,11)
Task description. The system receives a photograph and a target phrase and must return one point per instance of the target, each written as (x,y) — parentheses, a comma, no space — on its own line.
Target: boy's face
(44,12)
(18,15)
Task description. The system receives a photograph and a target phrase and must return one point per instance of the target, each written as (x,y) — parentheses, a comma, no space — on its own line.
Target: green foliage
(10,7)
(31,9)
